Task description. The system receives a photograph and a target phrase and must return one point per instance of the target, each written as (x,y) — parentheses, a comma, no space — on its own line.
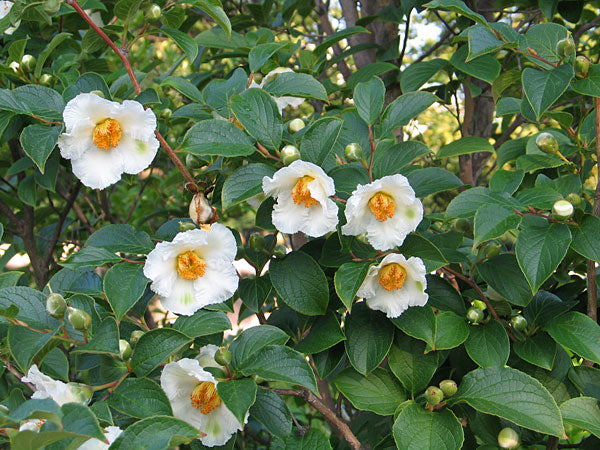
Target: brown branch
(328,30)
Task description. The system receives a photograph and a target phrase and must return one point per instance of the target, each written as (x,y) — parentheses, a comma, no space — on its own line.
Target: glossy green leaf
(270,410)
(488,344)
(154,347)
(238,396)
(406,107)
(183,41)
(259,115)
(539,350)
(582,412)
(124,285)
(121,238)
(586,237)
(217,137)
(252,340)
(140,398)
(411,365)
(577,332)
(155,433)
(369,99)
(492,221)
(503,274)
(543,88)
(244,183)
(324,333)
(348,279)
(296,84)
(465,146)
(38,142)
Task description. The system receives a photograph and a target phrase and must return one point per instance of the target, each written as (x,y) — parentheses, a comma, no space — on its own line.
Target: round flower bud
(200,210)
(28,62)
(479,304)
(518,322)
(124,349)
(135,336)
(547,143)
(562,210)
(186,226)
(565,47)
(574,199)
(257,242)
(462,226)
(474,315)
(353,152)
(582,66)
(433,395)
(279,251)
(51,7)
(289,154)
(153,12)
(45,79)
(56,305)
(223,356)
(491,250)
(98,93)
(82,391)
(14,66)
(192,161)
(295,125)
(166,113)
(448,387)
(79,319)
(508,438)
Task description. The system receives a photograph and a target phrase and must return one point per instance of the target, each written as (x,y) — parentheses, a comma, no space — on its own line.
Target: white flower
(302,190)
(5,8)
(395,284)
(103,139)
(282,102)
(110,434)
(386,209)
(194,270)
(32,425)
(46,387)
(192,392)
(206,356)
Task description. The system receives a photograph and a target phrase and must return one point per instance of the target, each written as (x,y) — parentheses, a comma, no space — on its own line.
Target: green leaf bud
(192,161)
(562,210)
(124,349)
(257,242)
(45,79)
(98,93)
(135,336)
(56,305)
(448,387)
(433,395)
(289,154)
(79,319)
(28,63)
(547,143)
(223,356)
(491,250)
(51,7)
(295,125)
(353,152)
(518,322)
(582,66)
(508,438)
(565,47)
(575,199)
(362,238)
(462,226)
(186,226)
(83,392)
(279,251)
(479,304)
(475,315)
(166,113)
(153,12)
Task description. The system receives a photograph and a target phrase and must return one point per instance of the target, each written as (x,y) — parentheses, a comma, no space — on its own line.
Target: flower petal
(47,387)
(137,122)
(220,243)
(206,356)
(88,108)
(137,154)
(218,284)
(98,168)
(74,144)
(219,425)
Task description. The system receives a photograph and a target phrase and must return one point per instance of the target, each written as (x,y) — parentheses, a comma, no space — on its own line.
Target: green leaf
(321,141)
(388,160)
(482,41)
(279,363)
(589,85)
(254,292)
(270,410)
(324,333)
(542,197)
(430,180)
(468,202)
(503,274)
(252,340)
(121,238)
(214,8)
(486,67)
(512,395)
(582,412)
(185,87)
(465,146)
(492,221)
(543,88)
(155,433)
(183,41)
(540,248)
(545,307)
(417,428)
(244,183)
(586,237)
(79,419)
(10,279)
(488,344)
(538,349)
(124,285)
(202,323)
(238,396)
(24,344)
(296,85)
(411,365)
(406,107)
(506,181)
(56,365)
(38,141)
(87,82)
(369,99)
(154,347)
(369,336)
(377,392)
(33,99)
(578,333)
(416,245)
(442,295)
(261,53)
(90,257)
(105,339)
(217,137)
(31,305)
(458,7)
(348,279)
(336,37)
(542,39)
(416,75)
(41,59)
(300,283)
(259,115)
(312,439)
(140,398)
(125,9)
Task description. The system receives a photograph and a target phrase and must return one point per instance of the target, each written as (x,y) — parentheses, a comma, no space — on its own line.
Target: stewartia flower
(302,190)
(386,209)
(194,270)
(192,392)
(5,8)
(395,284)
(104,139)
(110,434)
(61,393)
(282,102)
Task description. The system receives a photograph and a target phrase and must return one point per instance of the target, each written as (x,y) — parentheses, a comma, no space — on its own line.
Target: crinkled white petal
(97,168)
(89,109)
(5,8)
(110,433)
(32,425)
(273,73)
(394,303)
(284,102)
(218,284)
(390,233)
(206,356)
(136,154)
(46,387)
(137,122)
(220,243)
(75,143)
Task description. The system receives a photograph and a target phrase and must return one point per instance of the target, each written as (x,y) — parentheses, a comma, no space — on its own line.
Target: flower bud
(28,63)
(362,238)
(56,306)
(200,210)
(257,242)
(448,387)
(192,161)
(562,210)
(547,143)
(153,12)
(186,226)
(51,7)
(124,349)
(279,251)
(479,304)
(223,356)
(565,47)
(45,79)
(295,125)
(14,66)
(166,113)
(518,322)
(508,438)
(474,315)
(433,395)
(462,226)
(98,93)
(135,336)
(241,252)
(353,152)
(79,319)
(574,199)
(582,66)
(82,391)
(289,154)
(491,250)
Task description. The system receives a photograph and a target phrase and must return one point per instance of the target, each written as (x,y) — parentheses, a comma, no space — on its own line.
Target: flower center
(204,397)
(392,276)
(190,266)
(301,193)
(107,134)
(382,206)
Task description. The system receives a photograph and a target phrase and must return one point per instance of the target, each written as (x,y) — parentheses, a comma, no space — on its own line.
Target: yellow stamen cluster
(190,266)
(301,193)
(205,398)
(382,206)
(392,276)
(107,134)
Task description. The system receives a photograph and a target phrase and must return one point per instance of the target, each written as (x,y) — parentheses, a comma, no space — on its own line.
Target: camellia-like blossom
(61,393)
(395,284)
(110,434)
(302,190)
(282,102)
(386,209)
(5,8)
(192,392)
(194,270)
(104,139)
